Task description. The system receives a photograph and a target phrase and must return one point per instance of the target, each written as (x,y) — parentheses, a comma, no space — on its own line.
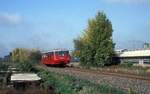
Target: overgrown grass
(3,66)
(24,67)
(27,66)
(126,64)
(124,68)
(65,84)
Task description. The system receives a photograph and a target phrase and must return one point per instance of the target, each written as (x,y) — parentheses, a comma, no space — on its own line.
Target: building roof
(25,77)
(135,53)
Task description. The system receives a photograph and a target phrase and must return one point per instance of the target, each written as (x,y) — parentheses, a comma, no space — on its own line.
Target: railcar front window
(62,53)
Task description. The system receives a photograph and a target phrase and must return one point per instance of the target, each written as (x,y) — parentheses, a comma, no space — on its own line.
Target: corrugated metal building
(140,56)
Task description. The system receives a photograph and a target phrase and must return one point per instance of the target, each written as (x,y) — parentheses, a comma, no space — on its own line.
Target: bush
(131,91)
(35,56)
(3,67)
(126,64)
(24,67)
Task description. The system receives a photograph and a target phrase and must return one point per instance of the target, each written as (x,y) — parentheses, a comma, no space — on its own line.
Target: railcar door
(50,57)
(44,58)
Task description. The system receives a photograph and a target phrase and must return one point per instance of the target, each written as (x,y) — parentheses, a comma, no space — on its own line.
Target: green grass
(3,66)
(65,84)
(126,64)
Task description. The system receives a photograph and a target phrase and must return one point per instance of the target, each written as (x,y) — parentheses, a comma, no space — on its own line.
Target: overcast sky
(48,24)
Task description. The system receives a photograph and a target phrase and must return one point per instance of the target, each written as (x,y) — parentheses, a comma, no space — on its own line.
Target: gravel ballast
(140,86)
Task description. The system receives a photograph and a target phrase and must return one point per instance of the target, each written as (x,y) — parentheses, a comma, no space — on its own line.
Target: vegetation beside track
(62,84)
(65,84)
(124,68)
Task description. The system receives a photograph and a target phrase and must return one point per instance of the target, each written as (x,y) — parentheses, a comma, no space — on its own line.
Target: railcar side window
(50,53)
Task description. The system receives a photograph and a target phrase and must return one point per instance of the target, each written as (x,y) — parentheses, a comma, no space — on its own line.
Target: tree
(95,45)
(35,56)
(20,55)
(78,45)
(25,55)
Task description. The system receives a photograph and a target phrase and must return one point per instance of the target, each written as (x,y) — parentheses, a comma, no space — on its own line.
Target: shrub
(131,91)
(35,56)
(3,67)
(24,67)
(126,64)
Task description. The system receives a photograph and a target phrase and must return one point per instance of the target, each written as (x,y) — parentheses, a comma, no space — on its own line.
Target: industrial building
(138,56)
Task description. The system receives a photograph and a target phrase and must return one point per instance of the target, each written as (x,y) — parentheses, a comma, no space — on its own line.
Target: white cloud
(130,1)
(10,18)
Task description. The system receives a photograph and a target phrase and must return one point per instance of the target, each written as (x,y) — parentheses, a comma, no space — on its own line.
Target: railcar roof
(54,50)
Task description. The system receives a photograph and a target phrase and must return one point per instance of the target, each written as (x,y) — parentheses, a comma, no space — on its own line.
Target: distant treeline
(21,55)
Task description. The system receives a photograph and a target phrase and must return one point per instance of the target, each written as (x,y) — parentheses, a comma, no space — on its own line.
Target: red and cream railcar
(56,57)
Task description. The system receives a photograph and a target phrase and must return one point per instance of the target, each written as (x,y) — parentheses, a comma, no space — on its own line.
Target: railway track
(98,72)
(131,76)
(140,84)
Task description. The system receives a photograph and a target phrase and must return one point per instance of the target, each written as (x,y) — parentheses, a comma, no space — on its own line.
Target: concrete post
(141,61)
